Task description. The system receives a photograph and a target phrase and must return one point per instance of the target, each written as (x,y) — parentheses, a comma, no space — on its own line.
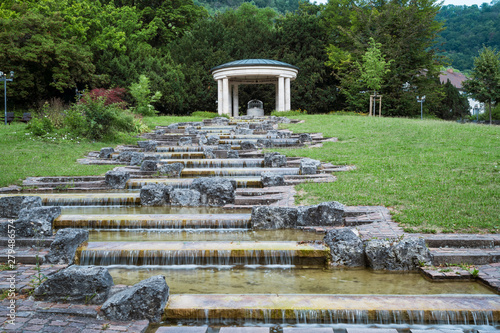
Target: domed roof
(253,62)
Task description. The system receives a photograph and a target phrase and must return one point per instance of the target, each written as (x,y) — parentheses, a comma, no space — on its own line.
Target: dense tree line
(468,28)
(56,46)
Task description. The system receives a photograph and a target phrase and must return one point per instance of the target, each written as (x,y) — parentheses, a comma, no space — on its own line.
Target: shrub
(143,97)
(95,120)
(41,126)
(110,96)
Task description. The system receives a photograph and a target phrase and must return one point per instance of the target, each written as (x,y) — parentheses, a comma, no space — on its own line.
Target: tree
(454,105)
(484,84)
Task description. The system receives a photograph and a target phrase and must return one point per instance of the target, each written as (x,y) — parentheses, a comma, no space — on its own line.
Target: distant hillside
(281,6)
(468,28)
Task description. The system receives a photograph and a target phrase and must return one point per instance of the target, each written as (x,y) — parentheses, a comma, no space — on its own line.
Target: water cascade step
(332,309)
(241,182)
(203,253)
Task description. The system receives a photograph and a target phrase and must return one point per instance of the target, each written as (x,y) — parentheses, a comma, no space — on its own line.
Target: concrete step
(153,221)
(87,199)
(476,256)
(300,254)
(361,309)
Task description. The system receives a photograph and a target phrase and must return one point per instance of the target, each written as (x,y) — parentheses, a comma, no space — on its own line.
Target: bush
(143,97)
(41,126)
(110,96)
(95,120)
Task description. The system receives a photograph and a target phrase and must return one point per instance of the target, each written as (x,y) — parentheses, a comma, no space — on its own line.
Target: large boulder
(272,179)
(160,131)
(76,284)
(116,179)
(243,131)
(346,248)
(233,154)
(247,145)
(265,143)
(171,170)
(225,146)
(30,202)
(149,145)
(209,152)
(305,137)
(173,126)
(190,130)
(308,166)
(144,300)
(185,197)
(397,255)
(326,213)
(149,165)
(202,140)
(274,160)
(185,141)
(215,191)
(212,140)
(36,222)
(11,206)
(63,248)
(220,121)
(155,194)
(136,158)
(106,152)
(273,217)
(125,156)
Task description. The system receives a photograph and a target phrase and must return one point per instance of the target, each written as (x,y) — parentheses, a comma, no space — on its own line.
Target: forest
(57,46)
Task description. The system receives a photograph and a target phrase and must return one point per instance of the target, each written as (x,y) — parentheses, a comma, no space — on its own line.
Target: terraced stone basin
(265,280)
(225,172)
(218,162)
(241,182)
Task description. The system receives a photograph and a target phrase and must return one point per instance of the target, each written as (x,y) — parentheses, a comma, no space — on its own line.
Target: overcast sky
(446,2)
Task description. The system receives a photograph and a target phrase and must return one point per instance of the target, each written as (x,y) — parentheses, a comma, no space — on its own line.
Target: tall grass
(433,175)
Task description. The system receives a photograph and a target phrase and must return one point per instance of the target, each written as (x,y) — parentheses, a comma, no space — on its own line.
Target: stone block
(117,179)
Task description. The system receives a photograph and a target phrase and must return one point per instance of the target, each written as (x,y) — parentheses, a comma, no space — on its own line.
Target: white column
(219,96)
(225,96)
(277,97)
(281,93)
(235,100)
(287,94)
(230,99)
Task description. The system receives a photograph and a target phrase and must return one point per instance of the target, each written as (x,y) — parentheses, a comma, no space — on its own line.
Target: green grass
(23,155)
(433,175)
(167,120)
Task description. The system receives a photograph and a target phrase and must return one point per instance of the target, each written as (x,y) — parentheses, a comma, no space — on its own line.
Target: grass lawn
(435,176)
(21,156)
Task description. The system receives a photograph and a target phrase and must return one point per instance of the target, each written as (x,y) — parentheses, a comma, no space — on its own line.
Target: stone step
(241,182)
(257,200)
(88,199)
(300,254)
(218,162)
(180,155)
(178,149)
(462,240)
(200,172)
(332,309)
(476,256)
(154,221)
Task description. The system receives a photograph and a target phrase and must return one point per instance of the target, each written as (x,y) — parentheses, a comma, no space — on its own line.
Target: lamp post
(421,101)
(3,77)
(476,112)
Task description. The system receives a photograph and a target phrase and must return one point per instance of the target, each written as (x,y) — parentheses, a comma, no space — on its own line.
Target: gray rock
(272,217)
(155,194)
(324,214)
(106,152)
(220,121)
(247,145)
(149,165)
(191,130)
(242,125)
(305,137)
(31,202)
(149,145)
(117,179)
(202,140)
(225,146)
(215,191)
(144,300)
(272,179)
(346,248)
(160,131)
(284,134)
(233,154)
(36,222)
(397,255)
(125,156)
(151,158)
(309,166)
(284,120)
(243,131)
(209,152)
(185,197)
(136,158)
(197,123)
(63,248)
(185,141)
(173,126)
(265,143)
(171,170)
(274,160)
(76,284)
(212,140)
(10,206)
